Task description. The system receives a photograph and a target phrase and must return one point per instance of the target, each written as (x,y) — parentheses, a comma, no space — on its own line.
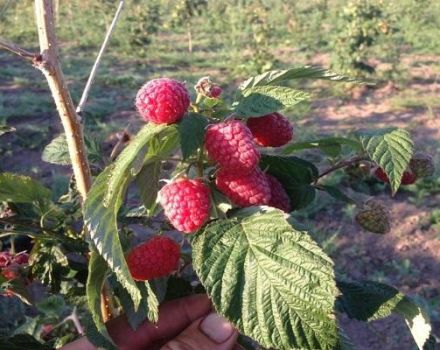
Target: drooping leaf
(369,300)
(98,269)
(295,174)
(102,227)
(192,133)
(94,336)
(148,309)
(131,159)
(261,100)
(277,76)
(21,189)
(391,149)
(271,281)
(4,129)
(148,183)
(331,146)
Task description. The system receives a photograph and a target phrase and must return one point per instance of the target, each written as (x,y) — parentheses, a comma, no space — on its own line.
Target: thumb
(212,332)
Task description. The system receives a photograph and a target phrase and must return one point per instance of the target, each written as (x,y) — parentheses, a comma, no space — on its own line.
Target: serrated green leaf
(369,300)
(329,145)
(295,174)
(277,76)
(57,151)
(98,269)
(271,281)
(125,162)
(192,133)
(391,149)
(4,129)
(102,226)
(21,189)
(94,336)
(52,306)
(148,309)
(261,100)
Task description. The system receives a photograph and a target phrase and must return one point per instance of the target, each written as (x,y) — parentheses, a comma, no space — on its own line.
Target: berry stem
(341,164)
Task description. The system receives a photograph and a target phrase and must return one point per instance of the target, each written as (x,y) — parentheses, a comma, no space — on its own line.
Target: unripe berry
(155,258)
(162,101)
(374,217)
(422,165)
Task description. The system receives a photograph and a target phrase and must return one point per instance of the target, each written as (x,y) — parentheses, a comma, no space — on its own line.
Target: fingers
(174,316)
(212,332)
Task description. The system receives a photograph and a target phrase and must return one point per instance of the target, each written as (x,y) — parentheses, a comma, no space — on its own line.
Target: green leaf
(271,281)
(131,159)
(22,342)
(94,336)
(391,149)
(148,309)
(192,133)
(369,300)
(277,76)
(98,269)
(261,100)
(21,189)
(4,129)
(148,183)
(52,306)
(105,197)
(295,174)
(102,226)
(331,146)
(57,151)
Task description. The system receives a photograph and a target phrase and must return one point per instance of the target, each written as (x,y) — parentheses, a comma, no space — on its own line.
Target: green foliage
(21,189)
(192,133)
(361,24)
(262,282)
(391,149)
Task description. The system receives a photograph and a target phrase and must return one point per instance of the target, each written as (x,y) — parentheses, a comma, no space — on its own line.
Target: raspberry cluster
(155,258)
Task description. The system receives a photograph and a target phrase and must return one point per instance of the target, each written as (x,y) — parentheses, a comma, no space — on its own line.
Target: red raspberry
(162,101)
(155,258)
(5,259)
(230,144)
(21,258)
(244,190)
(279,198)
(10,273)
(408,177)
(271,130)
(186,204)
(216,91)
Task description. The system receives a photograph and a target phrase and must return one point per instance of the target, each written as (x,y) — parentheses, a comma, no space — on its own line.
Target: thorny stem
(341,164)
(95,67)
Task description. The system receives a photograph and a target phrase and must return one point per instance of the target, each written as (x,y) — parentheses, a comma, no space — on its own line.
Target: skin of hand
(184,324)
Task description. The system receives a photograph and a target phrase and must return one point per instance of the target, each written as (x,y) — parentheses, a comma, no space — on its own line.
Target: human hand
(184,324)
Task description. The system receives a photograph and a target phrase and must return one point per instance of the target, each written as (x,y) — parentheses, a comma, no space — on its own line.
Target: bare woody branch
(17,50)
(95,67)
(48,63)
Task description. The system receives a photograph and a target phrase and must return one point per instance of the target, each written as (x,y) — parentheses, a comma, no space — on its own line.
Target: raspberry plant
(233,197)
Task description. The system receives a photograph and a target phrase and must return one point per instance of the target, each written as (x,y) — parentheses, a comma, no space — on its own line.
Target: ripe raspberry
(422,165)
(216,91)
(10,273)
(155,258)
(5,259)
(21,258)
(230,144)
(244,190)
(186,204)
(162,101)
(374,217)
(271,130)
(279,198)
(408,177)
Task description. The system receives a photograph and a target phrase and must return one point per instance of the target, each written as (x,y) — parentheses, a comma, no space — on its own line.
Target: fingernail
(216,328)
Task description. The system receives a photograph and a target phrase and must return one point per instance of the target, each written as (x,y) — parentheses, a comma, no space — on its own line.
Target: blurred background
(395,44)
